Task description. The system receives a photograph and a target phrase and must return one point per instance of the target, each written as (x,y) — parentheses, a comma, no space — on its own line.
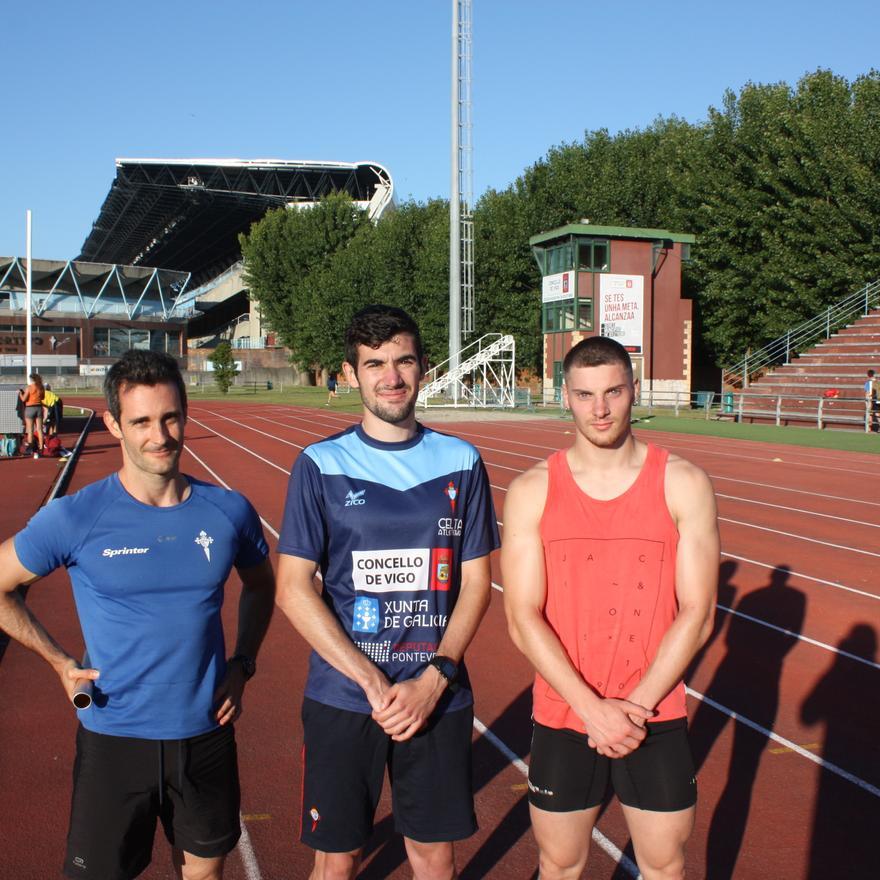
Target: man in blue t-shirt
(148,551)
(398,520)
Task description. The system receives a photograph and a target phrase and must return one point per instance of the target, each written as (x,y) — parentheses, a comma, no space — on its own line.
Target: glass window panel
(173,342)
(600,256)
(157,340)
(118,340)
(140,339)
(585,314)
(100,342)
(585,256)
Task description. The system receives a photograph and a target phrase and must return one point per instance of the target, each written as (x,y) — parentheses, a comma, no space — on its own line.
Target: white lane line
(798,537)
(255,430)
(857,522)
(224,484)
(248,856)
(240,446)
(245,847)
(603,842)
(825,765)
(246,850)
(767,459)
(502,489)
(788,632)
(798,491)
(800,637)
(778,532)
(800,574)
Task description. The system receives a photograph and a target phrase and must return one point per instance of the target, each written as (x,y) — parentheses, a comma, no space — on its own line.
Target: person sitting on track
(399,519)
(148,550)
(610,565)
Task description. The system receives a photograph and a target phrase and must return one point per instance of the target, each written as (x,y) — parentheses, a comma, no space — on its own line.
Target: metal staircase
(485,376)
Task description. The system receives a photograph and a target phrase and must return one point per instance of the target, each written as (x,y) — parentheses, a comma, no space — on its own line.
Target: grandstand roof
(92,290)
(186,214)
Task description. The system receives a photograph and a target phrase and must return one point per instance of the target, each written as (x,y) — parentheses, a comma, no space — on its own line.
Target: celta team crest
(204,540)
(452,493)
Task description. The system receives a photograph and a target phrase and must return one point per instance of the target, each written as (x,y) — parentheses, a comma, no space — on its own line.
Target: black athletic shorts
(345,755)
(122,785)
(565,774)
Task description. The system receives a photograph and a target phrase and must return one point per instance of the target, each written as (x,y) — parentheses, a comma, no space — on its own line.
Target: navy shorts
(123,785)
(565,774)
(345,755)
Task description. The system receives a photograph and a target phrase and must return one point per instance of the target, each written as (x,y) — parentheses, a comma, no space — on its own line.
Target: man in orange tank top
(610,565)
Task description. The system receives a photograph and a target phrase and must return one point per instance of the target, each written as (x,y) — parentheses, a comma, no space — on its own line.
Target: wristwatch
(448,668)
(248,665)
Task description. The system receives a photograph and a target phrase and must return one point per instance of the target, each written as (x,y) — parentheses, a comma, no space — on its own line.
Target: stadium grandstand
(162,267)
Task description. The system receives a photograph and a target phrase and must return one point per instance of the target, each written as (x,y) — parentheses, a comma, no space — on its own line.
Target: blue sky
(84,83)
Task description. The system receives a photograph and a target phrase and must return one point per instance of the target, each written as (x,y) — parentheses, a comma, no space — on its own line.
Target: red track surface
(795,654)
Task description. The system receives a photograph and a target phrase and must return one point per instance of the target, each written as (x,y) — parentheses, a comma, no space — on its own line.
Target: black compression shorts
(122,785)
(565,774)
(345,755)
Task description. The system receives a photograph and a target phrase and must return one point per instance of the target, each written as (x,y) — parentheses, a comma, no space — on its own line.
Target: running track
(783,700)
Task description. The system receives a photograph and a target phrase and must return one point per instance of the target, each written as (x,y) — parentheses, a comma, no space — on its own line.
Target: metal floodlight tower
(461,222)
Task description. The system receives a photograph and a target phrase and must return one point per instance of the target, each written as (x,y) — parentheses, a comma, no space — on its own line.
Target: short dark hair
(597,351)
(870,372)
(375,325)
(139,367)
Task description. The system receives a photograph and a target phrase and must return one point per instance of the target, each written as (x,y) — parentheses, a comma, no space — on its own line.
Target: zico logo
(389,571)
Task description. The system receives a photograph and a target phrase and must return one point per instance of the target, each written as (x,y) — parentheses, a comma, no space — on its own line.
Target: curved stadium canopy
(186,214)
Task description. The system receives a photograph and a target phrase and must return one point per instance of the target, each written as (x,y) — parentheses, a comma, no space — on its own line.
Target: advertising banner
(557,287)
(622,310)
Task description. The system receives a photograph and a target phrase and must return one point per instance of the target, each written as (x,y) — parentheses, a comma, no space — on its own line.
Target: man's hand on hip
(228,696)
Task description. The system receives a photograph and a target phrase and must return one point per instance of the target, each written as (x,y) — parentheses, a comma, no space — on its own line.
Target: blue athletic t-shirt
(148,584)
(389,524)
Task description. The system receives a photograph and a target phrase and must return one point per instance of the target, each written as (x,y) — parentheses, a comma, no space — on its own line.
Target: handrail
(799,338)
(483,342)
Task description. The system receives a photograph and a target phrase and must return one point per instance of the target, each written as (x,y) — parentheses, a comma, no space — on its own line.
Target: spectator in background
(32,398)
(871,420)
(52,408)
(331,387)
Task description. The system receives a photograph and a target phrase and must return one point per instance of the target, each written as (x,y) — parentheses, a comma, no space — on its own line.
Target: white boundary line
(825,765)
(857,522)
(799,574)
(844,774)
(245,847)
(798,537)
(604,843)
(799,637)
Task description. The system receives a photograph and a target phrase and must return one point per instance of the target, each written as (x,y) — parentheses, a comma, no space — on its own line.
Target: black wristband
(248,665)
(448,668)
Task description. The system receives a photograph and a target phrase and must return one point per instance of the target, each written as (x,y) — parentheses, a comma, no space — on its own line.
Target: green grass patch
(849,441)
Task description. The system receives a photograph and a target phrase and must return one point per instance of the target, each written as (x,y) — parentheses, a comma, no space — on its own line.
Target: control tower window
(593,256)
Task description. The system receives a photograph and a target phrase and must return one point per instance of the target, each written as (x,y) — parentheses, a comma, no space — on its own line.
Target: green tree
(224,366)
(281,252)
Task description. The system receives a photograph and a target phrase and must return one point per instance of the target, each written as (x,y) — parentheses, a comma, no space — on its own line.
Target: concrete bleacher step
(838,363)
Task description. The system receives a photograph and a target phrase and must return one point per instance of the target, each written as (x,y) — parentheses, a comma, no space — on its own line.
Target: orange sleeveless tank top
(34,396)
(610,569)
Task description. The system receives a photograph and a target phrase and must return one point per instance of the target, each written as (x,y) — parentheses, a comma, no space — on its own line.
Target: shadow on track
(845,819)
(747,681)
(385,850)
